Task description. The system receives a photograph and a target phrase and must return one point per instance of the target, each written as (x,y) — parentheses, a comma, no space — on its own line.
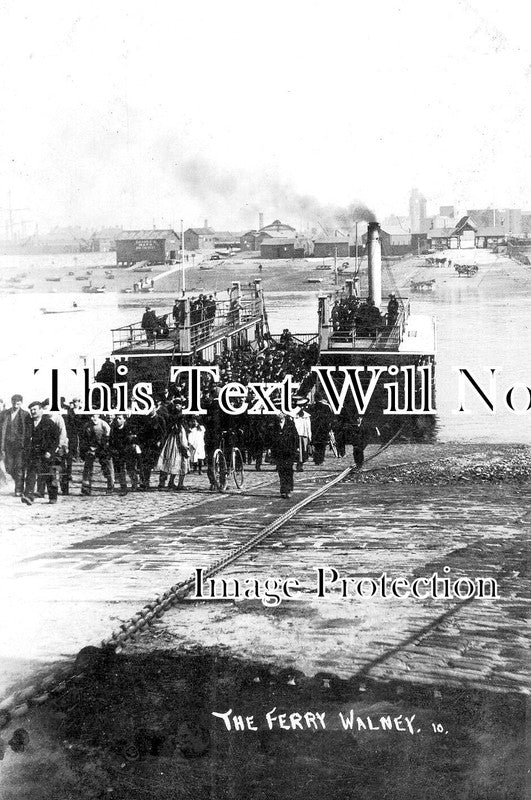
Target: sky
(136,114)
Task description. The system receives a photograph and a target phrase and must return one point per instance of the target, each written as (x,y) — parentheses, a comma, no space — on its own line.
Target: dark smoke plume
(249,194)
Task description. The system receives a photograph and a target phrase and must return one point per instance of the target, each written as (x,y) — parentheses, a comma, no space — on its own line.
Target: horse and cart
(468,270)
(422,286)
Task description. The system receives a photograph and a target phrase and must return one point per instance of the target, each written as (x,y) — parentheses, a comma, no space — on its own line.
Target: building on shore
(490,237)
(395,241)
(466,235)
(153,246)
(439,238)
(104,241)
(288,247)
(227,240)
(277,229)
(251,240)
(417,212)
(486,217)
(331,247)
(197,239)
(510,219)
(278,247)
(526,224)
(58,240)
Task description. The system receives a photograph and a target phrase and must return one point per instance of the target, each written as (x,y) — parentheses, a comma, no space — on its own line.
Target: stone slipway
(71,573)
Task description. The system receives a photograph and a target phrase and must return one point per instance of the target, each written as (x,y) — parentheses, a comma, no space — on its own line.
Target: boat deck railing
(201,327)
(385,336)
(298,338)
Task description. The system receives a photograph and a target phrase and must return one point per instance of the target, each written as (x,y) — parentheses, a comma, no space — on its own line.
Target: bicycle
(227,462)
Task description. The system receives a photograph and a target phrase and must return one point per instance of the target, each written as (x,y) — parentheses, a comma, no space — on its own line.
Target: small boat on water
(89,289)
(80,278)
(70,273)
(53,280)
(206,266)
(61,310)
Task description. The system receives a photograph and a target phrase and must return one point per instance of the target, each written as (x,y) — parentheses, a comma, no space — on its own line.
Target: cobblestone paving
(71,573)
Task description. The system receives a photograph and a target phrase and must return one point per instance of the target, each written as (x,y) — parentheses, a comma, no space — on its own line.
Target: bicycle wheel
(219,468)
(237,467)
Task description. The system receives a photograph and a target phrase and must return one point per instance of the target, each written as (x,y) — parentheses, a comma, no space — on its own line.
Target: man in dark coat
(392,310)
(284,451)
(15,434)
(74,425)
(358,435)
(123,445)
(151,431)
(95,445)
(216,421)
(149,324)
(322,418)
(41,454)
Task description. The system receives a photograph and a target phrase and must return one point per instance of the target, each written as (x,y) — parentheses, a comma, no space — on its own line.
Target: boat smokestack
(374,257)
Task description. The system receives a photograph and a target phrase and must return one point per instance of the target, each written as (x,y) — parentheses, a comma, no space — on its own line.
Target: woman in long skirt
(174,459)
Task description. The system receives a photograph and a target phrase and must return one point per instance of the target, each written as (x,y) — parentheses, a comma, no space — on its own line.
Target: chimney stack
(374,257)
(206,223)
(260,221)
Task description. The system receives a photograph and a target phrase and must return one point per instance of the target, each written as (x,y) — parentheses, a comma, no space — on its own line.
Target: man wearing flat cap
(15,433)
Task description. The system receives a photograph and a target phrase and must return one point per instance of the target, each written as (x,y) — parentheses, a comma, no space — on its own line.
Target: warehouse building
(439,238)
(277,247)
(252,240)
(395,241)
(331,247)
(153,246)
(197,239)
(491,236)
(249,241)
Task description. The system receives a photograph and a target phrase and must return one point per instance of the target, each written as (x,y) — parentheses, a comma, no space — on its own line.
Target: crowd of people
(350,314)
(202,310)
(285,357)
(38,447)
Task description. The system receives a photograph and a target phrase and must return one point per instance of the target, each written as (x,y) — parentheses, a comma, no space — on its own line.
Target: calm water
(482,322)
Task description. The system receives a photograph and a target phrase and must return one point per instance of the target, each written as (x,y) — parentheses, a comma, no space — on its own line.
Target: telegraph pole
(356,248)
(182,258)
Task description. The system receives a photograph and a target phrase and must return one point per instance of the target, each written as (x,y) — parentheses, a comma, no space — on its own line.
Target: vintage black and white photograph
(265,400)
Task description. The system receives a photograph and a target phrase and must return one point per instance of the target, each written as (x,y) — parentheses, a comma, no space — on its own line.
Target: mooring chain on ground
(19,703)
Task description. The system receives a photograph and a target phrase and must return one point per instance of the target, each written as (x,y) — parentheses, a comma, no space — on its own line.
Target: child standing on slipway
(196,442)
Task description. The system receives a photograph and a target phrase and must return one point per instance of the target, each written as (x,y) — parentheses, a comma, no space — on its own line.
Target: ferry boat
(408,341)
(235,322)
